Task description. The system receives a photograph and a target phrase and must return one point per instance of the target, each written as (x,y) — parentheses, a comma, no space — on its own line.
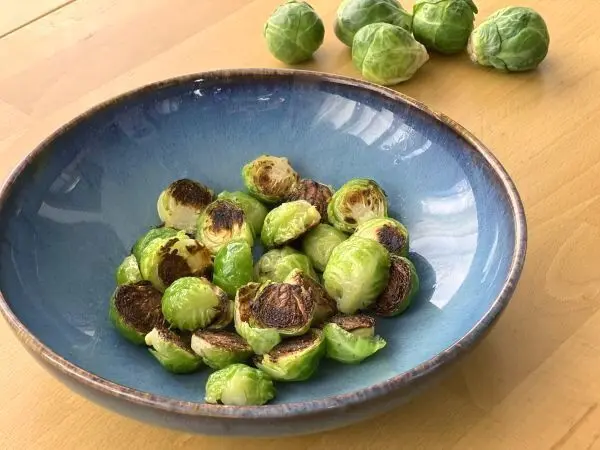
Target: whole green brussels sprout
(254,210)
(352,15)
(154,233)
(128,271)
(220,349)
(180,204)
(443,25)
(233,266)
(275,265)
(402,287)
(222,222)
(351,339)
(173,351)
(387,54)
(513,39)
(356,274)
(319,242)
(294,32)
(288,222)
(388,232)
(269,178)
(239,385)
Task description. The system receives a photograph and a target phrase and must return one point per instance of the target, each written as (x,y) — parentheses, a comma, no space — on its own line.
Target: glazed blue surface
(76,210)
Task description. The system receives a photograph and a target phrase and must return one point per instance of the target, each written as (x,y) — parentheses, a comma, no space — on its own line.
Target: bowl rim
(330,404)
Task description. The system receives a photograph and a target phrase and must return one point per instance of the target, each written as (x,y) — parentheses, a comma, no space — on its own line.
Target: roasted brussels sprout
(317,194)
(154,233)
(288,222)
(402,287)
(357,201)
(388,232)
(254,210)
(352,15)
(325,306)
(387,54)
(513,39)
(173,351)
(276,264)
(220,349)
(295,359)
(357,273)
(233,266)
(165,260)
(351,339)
(319,242)
(180,204)
(294,32)
(239,384)
(269,178)
(135,310)
(226,310)
(222,222)
(128,271)
(444,25)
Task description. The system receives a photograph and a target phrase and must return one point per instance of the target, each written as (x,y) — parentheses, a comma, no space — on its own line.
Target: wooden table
(534,383)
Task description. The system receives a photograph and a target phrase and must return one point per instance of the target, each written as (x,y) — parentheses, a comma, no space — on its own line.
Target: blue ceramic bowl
(72,210)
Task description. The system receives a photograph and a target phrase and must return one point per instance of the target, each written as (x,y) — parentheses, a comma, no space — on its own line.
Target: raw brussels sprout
(317,194)
(165,260)
(222,222)
(276,264)
(269,178)
(239,384)
(402,287)
(388,232)
(357,201)
(387,54)
(192,303)
(357,273)
(233,266)
(128,271)
(154,233)
(172,351)
(352,15)
(295,359)
(513,39)
(135,310)
(325,306)
(220,349)
(254,210)
(294,32)
(288,222)
(180,204)
(319,242)
(350,339)
(443,25)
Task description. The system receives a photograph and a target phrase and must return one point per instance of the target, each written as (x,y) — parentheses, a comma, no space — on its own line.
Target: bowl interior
(77,208)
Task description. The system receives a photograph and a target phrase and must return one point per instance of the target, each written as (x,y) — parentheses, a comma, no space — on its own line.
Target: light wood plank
(17,14)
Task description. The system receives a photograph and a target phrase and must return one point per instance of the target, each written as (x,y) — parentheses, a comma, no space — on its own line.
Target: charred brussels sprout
(356,202)
(135,310)
(128,271)
(388,232)
(233,266)
(222,222)
(276,264)
(154,233)
(351,339)
(254,210)
(288,222)
(295,359)
(239,385)
(356,274)
(220,349)
(319,242)
(402,287)
(180,204)
(325,306)
(172,351)
(317,194)
(269,178)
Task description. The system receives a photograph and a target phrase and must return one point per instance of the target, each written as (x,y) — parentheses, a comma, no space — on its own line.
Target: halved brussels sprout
(222,222)
(166,260)
(295,359)
(154,233)
(269,178)
(317,194)
(388,232)
(233,266)
(180,204)
(239,384)
(402,287)
(226,310)
(357,273)
(352,15)
(325,306)
(135,310)
(128,271)
(357,201)
(351,339)
(254,210)
(319,242)
(276,264)
(173,351)
(220,349)
(294,32)
(288,222)
(387,54)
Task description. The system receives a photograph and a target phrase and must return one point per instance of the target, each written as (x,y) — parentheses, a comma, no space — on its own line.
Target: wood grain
(532,384)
